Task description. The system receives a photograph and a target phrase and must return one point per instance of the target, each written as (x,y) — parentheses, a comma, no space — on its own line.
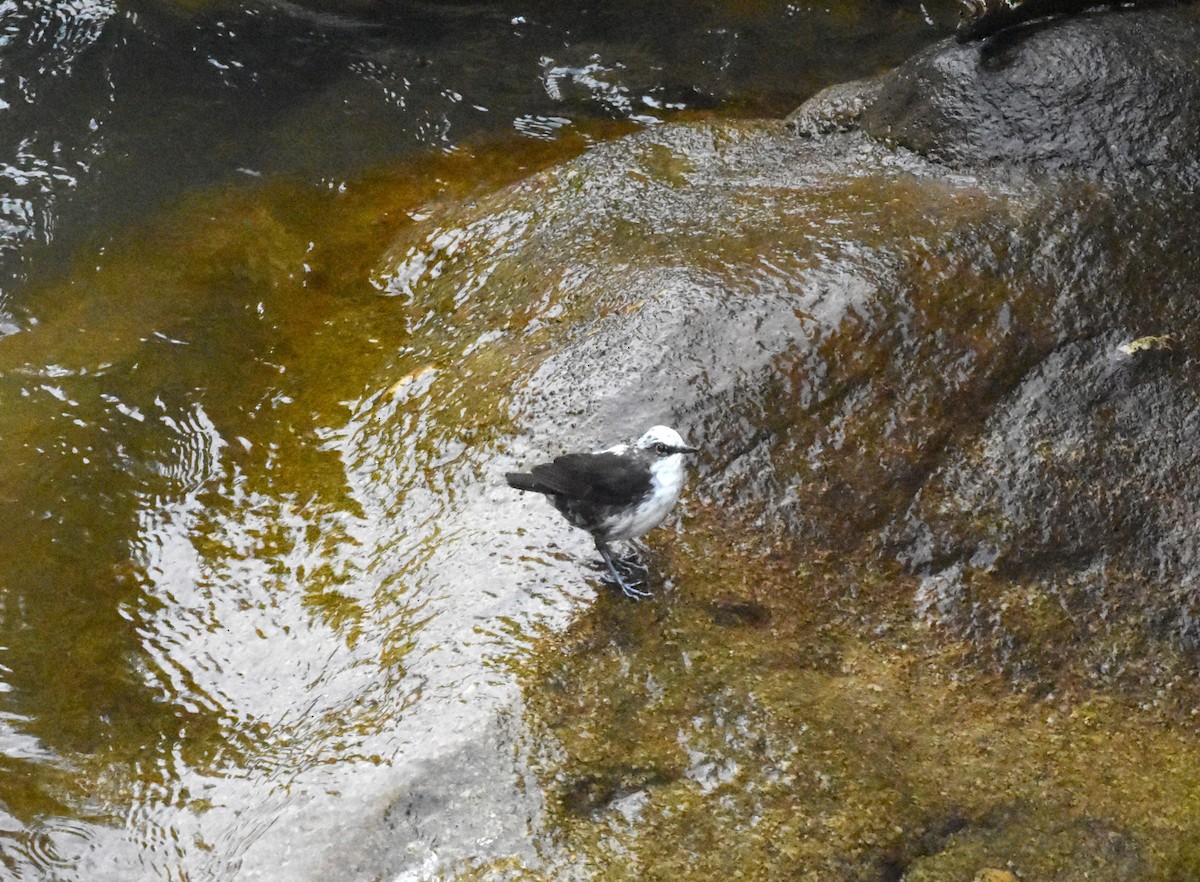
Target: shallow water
(250,609)
(111,110)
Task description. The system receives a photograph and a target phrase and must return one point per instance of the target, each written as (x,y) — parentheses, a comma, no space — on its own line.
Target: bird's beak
(687,449)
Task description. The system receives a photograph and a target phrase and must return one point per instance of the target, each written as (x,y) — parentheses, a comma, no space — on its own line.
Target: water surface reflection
(111,110)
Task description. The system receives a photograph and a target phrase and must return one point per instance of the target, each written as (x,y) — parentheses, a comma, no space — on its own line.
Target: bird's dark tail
(522,481)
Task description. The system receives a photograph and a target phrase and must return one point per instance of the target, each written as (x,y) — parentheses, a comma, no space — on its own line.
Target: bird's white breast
(666,481)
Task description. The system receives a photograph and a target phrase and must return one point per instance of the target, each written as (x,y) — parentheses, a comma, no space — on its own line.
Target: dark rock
(882,361)
(982,18)
(1069,521)
(1110,94)
(740,613)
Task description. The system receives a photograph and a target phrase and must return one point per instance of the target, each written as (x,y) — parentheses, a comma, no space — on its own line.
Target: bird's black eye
(661,449)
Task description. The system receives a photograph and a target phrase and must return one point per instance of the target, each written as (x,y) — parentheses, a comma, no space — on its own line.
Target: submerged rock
(1037,847)
(885,360)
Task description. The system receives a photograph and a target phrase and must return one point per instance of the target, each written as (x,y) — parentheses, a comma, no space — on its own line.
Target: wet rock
(880,362)
(1067,522)
(838,108)
(1110,95)
(913,424)
(440,812)
(982,18)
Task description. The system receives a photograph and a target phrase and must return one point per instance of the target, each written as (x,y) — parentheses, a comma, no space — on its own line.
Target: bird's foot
(628,586)
(633,561)
(629,589)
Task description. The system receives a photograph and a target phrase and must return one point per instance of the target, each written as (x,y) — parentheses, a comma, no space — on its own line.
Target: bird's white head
(663,451)
(663,441)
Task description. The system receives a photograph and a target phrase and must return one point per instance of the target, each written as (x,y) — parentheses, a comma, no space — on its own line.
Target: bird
(616,494)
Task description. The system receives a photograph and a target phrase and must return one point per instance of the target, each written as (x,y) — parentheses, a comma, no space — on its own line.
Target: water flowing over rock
(930,606)
(884,356)
(910,354)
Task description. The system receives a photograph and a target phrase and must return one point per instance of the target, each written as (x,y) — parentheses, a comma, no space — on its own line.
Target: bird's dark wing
(600,478)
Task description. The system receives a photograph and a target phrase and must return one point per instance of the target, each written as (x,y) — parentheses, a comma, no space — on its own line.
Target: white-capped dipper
(615,494)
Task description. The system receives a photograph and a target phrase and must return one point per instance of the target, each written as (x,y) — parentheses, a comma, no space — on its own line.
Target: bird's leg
(627,589)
